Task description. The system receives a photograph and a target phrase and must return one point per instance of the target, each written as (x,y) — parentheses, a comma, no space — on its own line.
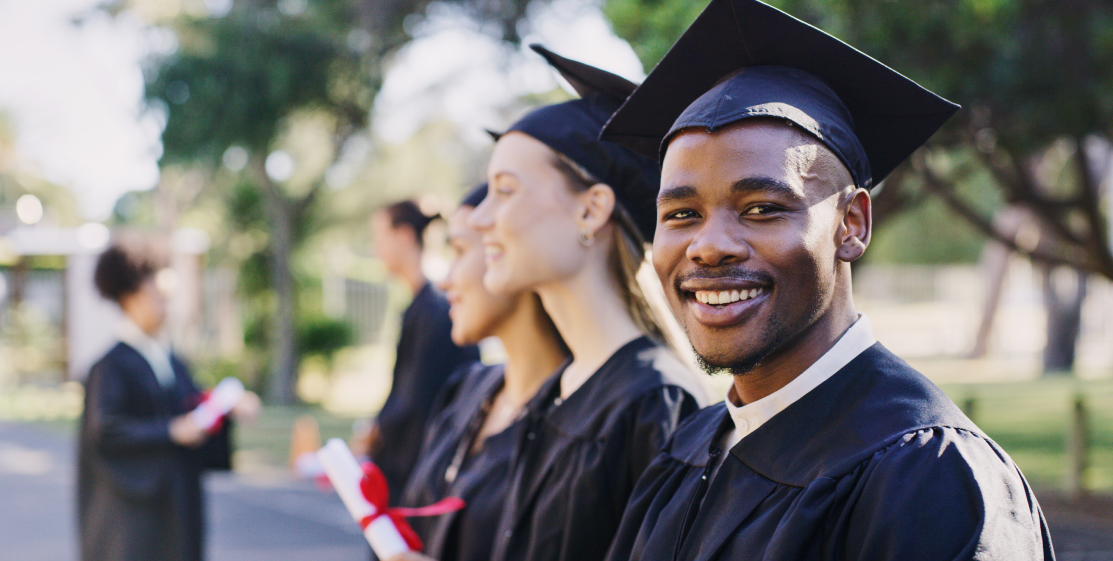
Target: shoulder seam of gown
(843,468)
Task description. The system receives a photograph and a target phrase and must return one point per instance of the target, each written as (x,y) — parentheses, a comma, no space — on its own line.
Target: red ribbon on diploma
(374,488)
(219,424)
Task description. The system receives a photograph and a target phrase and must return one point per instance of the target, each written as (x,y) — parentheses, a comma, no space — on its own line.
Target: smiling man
(828,446)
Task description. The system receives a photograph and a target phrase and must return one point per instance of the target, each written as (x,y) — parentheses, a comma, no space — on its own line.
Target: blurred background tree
(1025,163)
(240,90)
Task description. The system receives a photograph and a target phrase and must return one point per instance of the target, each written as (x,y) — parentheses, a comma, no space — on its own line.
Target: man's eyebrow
(765,185)
(673,194)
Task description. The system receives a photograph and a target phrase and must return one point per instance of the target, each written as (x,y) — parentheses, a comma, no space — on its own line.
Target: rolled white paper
(220,401)
(345,474)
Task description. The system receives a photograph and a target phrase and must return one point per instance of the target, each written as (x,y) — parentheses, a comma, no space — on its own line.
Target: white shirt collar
(750,416)
(157,353)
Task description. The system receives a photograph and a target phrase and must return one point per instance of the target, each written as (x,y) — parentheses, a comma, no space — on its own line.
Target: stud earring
(587,237)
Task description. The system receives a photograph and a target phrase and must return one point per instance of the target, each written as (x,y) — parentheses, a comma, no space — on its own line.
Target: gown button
(532,435)
(508,534)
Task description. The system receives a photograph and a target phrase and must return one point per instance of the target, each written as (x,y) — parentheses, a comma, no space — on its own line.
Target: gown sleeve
(655,418)
(959,497)
(658,480)
(112,428)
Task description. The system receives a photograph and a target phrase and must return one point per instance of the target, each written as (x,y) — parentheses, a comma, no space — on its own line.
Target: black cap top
(475,196)
(572,129)
(743,58)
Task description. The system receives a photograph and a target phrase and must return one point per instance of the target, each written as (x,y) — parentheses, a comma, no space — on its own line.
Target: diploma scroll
(348,479)
(217,404)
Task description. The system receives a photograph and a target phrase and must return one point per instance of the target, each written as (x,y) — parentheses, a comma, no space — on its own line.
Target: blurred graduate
(469,444)
(828,446)
(426,355)
(141,454)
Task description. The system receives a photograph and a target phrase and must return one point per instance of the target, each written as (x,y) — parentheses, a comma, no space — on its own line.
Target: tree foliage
(245,79)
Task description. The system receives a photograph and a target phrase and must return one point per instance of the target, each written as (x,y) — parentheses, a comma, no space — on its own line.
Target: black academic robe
(448,468)
(578,460)
(139,494)
(425,359)
(875,463)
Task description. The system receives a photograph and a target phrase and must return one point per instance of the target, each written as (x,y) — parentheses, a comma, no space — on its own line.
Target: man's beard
(772,338)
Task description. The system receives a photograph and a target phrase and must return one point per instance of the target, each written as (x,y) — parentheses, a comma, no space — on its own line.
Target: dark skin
(762,210)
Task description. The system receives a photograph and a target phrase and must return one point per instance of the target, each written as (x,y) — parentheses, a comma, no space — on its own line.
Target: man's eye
(758,210)
(681,215)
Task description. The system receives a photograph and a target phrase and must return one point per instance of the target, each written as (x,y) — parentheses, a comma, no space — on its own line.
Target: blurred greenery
(324,336)
(928,231)
(267,440)
(1029,420)
(271,82)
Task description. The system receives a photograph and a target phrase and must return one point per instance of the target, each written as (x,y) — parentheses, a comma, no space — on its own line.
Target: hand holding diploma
(227,398)
(185,432)
(364,493)
(209,414)
(248,407)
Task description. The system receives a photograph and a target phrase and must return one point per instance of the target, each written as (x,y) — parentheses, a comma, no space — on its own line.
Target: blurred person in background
(141,454)
(426,354)
(469,444)
(567,217)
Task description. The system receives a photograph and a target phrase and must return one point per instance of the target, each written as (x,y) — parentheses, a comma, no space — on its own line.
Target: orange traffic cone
(305,440)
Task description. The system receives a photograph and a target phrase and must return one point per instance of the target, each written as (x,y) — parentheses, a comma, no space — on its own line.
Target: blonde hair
(626,257)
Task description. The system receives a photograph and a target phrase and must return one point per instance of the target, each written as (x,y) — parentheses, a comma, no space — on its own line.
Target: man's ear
(856,227)
(596,206)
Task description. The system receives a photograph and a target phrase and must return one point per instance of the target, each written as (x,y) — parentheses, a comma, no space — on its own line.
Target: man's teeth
(727,296)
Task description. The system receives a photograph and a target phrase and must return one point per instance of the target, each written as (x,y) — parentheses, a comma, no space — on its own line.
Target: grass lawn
(1029,420)
(266,441)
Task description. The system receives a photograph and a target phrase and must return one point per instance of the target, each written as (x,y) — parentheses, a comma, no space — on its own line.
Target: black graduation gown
(578,461)
(425,359)
(446,468)
(139,494)
(875,463)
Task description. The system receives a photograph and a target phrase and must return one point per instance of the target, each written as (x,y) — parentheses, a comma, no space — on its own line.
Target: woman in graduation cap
(469,443)
(568,216)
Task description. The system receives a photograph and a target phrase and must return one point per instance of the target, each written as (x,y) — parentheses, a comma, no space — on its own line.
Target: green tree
(244,80)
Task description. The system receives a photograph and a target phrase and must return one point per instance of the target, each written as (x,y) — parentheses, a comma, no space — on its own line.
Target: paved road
(250,517)
(275,518)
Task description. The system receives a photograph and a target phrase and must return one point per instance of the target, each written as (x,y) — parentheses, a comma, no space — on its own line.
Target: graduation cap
(475,196)
(743,58)
(572,129)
